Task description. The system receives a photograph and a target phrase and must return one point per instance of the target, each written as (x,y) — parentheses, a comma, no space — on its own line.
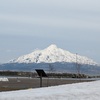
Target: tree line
(49,74)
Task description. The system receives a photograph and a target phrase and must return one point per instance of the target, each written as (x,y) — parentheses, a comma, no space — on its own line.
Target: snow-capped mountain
(53,54)
(54,58)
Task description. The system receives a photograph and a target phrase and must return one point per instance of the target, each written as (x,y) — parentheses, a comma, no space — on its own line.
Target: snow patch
(4,79)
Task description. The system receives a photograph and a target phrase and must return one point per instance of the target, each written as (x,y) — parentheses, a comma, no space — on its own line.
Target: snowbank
(4,79)
(78,91)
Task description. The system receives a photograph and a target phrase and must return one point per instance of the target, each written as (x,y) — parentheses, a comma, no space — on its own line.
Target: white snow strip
(4,79)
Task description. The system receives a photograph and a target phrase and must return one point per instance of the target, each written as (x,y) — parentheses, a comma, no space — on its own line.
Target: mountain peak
(52,54)
(52,46)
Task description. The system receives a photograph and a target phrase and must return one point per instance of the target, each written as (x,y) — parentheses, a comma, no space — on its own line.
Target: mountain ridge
(53,54)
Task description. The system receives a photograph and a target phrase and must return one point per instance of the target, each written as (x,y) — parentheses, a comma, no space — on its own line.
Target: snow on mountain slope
(53,54)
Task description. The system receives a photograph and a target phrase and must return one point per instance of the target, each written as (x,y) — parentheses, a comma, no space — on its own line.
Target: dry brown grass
(26,83)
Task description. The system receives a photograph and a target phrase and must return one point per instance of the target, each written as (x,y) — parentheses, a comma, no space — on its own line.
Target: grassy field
(27,83)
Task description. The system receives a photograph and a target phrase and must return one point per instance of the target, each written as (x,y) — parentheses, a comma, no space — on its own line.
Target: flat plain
(18,83)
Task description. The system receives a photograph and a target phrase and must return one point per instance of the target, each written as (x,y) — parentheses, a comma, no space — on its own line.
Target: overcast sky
(73,25)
